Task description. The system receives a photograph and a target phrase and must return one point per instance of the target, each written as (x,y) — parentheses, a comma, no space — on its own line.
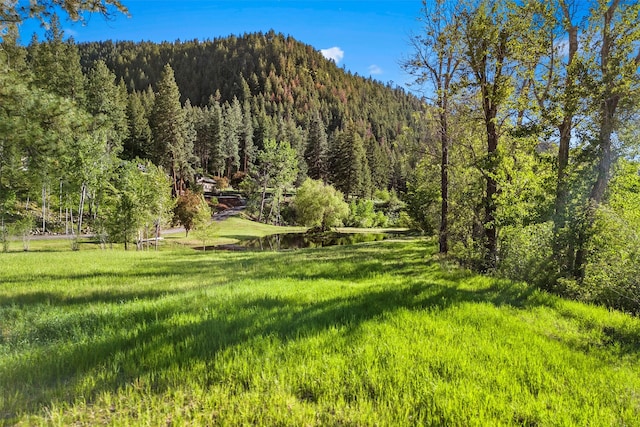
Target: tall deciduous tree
(277,169)
(437,61)
(490,32)
(614,79)
(320,205)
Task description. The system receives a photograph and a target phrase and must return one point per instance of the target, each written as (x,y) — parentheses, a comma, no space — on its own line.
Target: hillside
(280,74)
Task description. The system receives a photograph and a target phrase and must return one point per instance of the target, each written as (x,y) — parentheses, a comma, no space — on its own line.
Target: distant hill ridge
(278,74)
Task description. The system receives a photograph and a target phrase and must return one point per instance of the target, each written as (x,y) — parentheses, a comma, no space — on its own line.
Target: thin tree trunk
(599,187)
(444,183)
(489,223)
(44,207)
(83,194)
(264,195)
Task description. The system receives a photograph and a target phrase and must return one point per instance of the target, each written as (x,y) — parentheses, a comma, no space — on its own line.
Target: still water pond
(277,242)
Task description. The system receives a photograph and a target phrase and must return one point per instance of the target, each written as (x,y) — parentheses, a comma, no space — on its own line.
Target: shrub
(319,205)
(526,254)
(612,270)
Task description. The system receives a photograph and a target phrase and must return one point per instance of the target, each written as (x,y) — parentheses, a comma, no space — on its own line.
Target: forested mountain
(279,78)
(285,76)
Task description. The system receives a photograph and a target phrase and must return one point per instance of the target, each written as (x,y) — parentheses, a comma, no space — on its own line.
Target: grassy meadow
(373,334)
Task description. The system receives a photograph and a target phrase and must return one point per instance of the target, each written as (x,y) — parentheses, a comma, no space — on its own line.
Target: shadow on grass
(183,327)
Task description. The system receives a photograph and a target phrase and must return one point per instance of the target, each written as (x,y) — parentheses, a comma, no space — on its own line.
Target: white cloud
(375,70)
(68,32)
(334,53)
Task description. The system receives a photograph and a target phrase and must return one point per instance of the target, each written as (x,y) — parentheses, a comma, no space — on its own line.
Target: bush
(612,270)
(526,254)
(319,205)
(363,215)
(237,179)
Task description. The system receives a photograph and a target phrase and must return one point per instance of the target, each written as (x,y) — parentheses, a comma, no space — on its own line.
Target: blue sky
(367,37)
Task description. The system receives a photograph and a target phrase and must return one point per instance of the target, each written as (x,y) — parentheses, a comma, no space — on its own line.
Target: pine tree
(173,143)
(215,120)
(350,168)
(107,102)
(231,136)
(316,153)
(138,142)
(247,146)
(56,64)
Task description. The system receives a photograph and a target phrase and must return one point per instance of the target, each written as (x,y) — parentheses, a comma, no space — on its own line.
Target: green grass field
(372,334)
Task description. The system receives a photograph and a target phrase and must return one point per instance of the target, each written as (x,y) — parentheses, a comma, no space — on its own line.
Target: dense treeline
(78,119)
(275,87)
(535,110)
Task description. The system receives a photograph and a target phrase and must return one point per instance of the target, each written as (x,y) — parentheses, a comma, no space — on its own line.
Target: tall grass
(373,334)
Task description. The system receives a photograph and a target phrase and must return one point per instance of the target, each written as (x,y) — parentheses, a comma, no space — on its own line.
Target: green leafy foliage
(319,205)
(362,214)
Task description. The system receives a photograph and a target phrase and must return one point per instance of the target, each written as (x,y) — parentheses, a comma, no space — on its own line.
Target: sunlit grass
(373,334)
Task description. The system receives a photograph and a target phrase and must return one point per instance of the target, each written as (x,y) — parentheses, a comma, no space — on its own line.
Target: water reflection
(278,242)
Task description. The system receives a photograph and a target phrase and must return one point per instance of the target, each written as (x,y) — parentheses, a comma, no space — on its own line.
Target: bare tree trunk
(44,207)
(599,187)
(264,196)
(491,243)
(83,194)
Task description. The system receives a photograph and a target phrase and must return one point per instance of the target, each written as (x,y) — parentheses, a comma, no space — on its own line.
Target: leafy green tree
(320,205)
(614,79)
(277,169)
(437,62)
(138,203)
(422,196)
(125,208)
(204,228)
(490,33)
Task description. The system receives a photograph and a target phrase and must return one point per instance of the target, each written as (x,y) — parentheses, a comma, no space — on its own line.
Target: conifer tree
(231,136)
(56,63)
(247,145)
(215,120)
(350,168)
(138,141)
(172,140)
(316,153)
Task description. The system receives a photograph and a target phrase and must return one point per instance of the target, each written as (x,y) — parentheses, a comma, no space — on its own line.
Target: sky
(367,37)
